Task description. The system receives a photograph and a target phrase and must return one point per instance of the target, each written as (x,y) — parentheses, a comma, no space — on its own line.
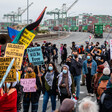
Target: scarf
(49,78)
(69,81)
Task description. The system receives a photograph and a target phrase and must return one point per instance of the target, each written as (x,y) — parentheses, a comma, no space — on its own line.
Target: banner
(28,85)
(16,51)
(35,56)
(4,63)
(26,38)
(110,48)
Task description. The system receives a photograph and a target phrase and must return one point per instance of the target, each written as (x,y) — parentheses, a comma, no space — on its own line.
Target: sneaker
(92,94)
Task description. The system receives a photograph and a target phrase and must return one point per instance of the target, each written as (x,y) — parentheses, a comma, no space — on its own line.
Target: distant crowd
(90,65)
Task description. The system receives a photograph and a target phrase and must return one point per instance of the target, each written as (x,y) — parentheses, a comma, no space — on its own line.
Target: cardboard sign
(30,75)
(35,55)
(4,63)
(26,38)
(16,51)
(28,85)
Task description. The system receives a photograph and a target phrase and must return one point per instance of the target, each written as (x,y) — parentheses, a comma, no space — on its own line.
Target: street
(79,39)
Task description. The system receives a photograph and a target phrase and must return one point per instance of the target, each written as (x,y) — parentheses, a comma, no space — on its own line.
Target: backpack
(102,87)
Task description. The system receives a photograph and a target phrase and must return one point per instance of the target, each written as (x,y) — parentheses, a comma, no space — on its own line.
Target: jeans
(77,83)
(45,101)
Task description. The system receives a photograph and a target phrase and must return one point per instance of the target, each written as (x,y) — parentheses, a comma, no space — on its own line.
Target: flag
(34,25)
(12,33)
(29,27)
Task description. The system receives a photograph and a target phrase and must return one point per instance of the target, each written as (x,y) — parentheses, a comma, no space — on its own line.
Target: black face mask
(75,56)
(29,71)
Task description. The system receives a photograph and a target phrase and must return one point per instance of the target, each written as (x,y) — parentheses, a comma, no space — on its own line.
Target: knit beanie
(106,71)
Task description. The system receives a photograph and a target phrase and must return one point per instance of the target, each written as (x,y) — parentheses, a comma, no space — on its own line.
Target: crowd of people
(90,64)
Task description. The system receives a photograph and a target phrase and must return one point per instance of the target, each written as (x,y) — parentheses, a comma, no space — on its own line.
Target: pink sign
(28,85)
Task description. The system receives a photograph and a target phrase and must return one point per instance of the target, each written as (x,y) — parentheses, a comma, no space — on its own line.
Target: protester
(64,54)
(89,70)
(67,106)
(81,50)
(76,67)
(55,53)
(102,84)
(96,78)
(73,46)
(87,105)
(66,86)
(31,97)
(96,52)
(50,80)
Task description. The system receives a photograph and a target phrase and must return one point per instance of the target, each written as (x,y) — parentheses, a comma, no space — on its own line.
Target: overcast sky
(82,6)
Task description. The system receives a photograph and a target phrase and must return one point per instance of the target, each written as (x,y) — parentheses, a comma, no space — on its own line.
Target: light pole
(27,11)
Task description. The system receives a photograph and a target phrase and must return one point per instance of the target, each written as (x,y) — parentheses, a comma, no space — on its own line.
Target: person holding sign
(32,96)
(50,80)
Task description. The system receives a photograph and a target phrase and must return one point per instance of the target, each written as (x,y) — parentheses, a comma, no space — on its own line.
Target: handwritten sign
(16,51)
(26,38)
(35,55)
(4,63)
(28,85)
(30,75)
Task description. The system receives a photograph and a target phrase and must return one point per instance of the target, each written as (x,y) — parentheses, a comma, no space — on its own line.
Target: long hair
(54,67)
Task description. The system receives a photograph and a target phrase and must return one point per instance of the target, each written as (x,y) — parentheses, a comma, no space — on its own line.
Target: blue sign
(35,56)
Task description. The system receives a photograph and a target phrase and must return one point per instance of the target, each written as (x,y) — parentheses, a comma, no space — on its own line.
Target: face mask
(75,56)
(29,71)
(50,68)
(72,54)
(64,71)
(7,85)
(88,57)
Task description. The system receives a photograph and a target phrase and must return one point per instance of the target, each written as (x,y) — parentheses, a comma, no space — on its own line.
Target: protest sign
(16,51)
(28,85)
(26,38)
(111,49)
(30,75)
(4,63)
(35,55)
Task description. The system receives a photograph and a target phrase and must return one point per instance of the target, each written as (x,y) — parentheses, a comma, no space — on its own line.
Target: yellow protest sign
(30,75)
(4,63)
(26,38)
(19,75)
(16,51)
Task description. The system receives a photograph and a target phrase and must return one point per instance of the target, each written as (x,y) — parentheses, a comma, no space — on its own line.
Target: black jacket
(76,67)
(45,86)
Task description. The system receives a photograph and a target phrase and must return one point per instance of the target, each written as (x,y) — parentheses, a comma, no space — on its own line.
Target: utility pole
(27,11)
